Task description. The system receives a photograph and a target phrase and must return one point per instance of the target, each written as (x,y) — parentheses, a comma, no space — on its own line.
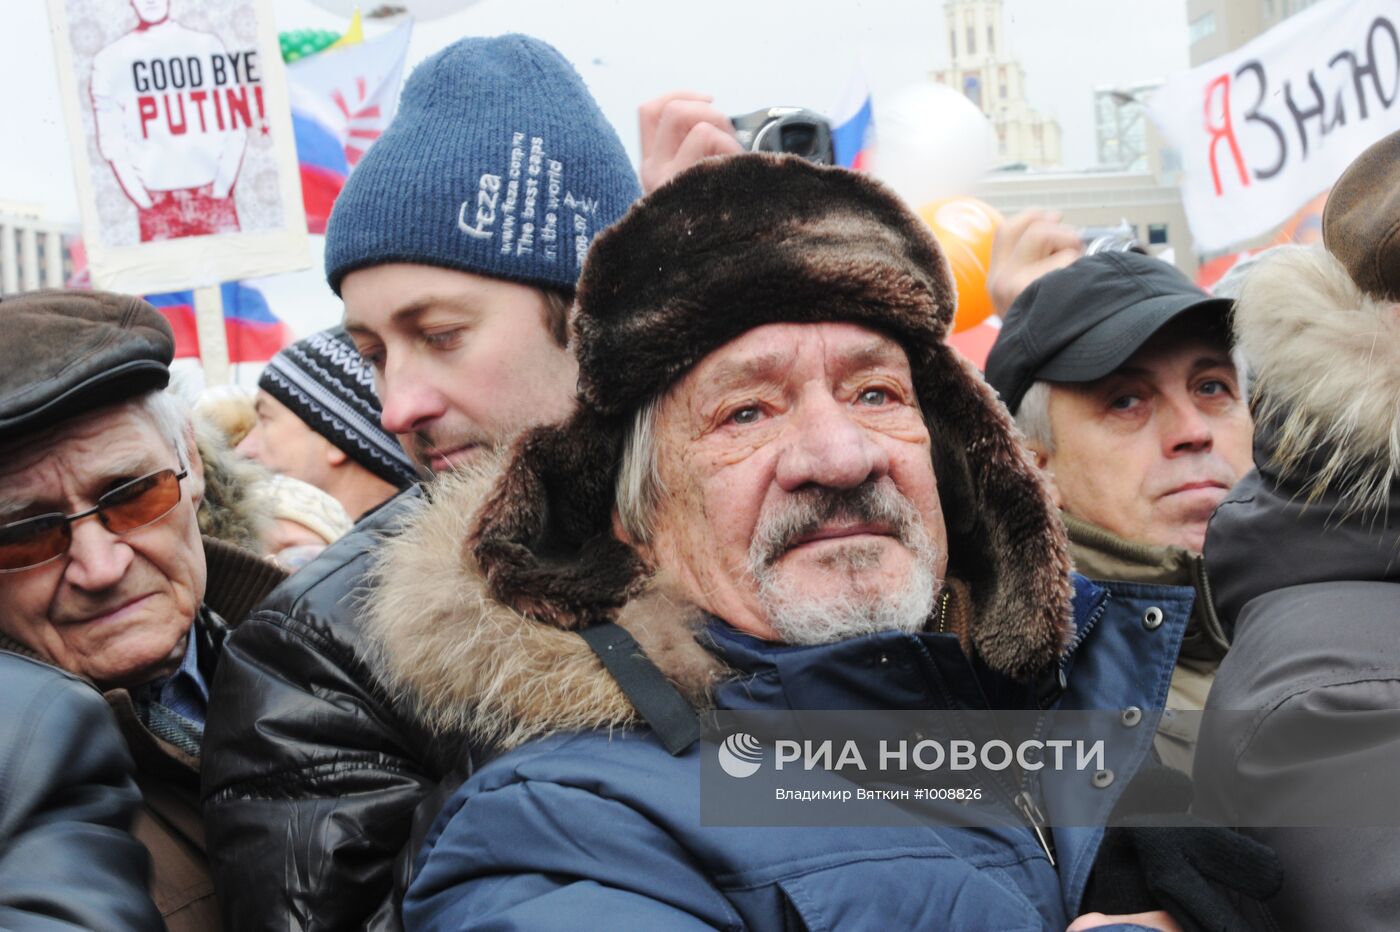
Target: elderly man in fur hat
(1304,557)
(770,421)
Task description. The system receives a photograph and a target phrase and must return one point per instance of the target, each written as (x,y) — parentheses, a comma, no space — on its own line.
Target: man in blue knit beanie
(455,245)
(457,242)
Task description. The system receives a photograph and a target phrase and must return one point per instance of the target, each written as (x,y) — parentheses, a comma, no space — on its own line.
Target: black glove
(1163,858)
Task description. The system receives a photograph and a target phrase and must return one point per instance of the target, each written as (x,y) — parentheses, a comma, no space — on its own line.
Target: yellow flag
(353,36)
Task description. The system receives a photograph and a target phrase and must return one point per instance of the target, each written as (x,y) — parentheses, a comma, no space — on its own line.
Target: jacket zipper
(1021,798)
(943,613)
(1032,814)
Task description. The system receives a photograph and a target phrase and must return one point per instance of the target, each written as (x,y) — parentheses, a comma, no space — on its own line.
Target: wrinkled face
(462,363)
(115,609)
(800,502)
(1149,451)
(283,442)
(151,11)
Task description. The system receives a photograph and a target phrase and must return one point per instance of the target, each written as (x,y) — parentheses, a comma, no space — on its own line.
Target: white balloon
(420,10)
(931,143)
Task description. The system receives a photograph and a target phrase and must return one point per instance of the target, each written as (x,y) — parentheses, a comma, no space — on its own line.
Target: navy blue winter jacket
(591,830)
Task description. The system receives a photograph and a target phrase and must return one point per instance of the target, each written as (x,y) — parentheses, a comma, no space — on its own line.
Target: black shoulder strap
(655,698)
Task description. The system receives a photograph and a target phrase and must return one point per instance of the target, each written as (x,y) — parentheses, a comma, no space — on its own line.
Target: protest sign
(181,139)
(1263,129)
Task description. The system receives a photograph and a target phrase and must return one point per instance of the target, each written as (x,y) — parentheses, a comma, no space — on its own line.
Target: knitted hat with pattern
(323,380)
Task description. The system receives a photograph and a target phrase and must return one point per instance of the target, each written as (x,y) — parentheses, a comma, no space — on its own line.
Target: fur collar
(1325,363)
(230,512)
(467,664)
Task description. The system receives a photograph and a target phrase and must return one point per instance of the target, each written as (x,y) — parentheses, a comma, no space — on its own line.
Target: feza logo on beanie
(524,205)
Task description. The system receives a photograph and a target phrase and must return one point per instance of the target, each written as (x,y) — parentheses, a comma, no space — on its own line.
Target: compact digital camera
(1120,238)
(794,130)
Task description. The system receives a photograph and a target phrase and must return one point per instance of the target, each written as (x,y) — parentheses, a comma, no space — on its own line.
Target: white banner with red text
(1265,128)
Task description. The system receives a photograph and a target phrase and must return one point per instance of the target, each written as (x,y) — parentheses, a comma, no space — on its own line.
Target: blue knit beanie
(498,163)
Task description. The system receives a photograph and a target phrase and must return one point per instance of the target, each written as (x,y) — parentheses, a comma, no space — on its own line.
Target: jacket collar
(1269,533)
(886,670)
(1100,554)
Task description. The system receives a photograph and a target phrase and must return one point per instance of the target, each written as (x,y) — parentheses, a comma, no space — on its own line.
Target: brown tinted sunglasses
(34,541)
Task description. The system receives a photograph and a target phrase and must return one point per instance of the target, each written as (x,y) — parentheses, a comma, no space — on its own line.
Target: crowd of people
(422,636)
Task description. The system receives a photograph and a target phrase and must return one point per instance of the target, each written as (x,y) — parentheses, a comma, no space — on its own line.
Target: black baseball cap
(1082,322)
(69,352)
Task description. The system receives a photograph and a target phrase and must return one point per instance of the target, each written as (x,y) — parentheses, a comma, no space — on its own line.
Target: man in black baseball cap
(1118,370)
(103,572)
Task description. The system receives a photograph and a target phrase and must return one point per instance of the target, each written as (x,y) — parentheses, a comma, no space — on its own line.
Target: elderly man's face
(800,502)
(114,608)
(1149,451)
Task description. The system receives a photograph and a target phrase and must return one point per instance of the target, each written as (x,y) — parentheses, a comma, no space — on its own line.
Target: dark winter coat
(311,773)
(598,827)
(1315,606)
(1304,558)
(67,800)
(168,822)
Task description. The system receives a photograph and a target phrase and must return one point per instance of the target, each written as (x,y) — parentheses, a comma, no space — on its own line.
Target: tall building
(1220,26)
(983,68)
(32,250)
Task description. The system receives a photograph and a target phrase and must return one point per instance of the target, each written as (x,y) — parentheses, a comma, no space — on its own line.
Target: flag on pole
(342,99)
(853,125)
(254,333)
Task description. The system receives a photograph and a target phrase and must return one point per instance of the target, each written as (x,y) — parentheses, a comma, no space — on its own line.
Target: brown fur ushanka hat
(730,245)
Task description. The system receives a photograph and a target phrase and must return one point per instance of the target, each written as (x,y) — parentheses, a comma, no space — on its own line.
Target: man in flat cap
(1118,370)
(318,421)
(771,422)
(103,572)
(1304,561)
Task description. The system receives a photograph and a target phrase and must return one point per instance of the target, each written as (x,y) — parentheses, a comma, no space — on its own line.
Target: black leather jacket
(67,859)
(311,777)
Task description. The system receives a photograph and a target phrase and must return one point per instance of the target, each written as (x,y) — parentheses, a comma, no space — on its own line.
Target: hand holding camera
(679,129)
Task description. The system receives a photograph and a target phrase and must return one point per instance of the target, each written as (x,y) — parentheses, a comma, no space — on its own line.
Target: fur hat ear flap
(1005,538)
(544,538)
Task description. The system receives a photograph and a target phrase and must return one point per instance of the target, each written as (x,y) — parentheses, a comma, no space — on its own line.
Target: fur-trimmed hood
(479,600)
(1324,362)
(468,664)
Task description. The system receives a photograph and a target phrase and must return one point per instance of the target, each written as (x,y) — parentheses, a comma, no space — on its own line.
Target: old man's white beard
(801,617)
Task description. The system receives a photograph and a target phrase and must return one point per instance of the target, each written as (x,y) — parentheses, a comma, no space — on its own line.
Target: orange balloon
(965,227)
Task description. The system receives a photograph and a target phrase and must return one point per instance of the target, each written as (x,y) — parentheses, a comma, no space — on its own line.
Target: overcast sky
(748,53)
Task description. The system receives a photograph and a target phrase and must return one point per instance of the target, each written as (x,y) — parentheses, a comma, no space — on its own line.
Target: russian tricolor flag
(253,332)
(853,126)
(321,157)
(342,99)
